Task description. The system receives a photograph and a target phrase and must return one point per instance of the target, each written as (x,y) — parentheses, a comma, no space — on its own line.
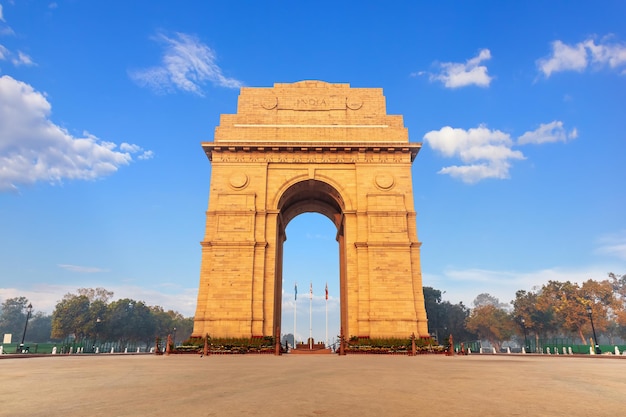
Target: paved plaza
(312,385)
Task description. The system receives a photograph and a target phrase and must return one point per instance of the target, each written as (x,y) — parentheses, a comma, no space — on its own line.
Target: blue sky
(103,105)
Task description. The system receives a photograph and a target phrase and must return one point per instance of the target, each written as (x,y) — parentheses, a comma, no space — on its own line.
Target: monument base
(307,351)
(311,348)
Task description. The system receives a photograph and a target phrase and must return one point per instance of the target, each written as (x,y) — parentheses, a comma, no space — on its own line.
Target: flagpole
(311,317)
(327,315)
(295,309)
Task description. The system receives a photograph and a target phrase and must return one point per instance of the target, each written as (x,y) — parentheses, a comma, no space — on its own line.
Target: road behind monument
(316,385)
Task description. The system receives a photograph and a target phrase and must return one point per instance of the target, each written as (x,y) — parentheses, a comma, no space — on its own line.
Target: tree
(434,310)
(535,320)
(184,327)
(491,323)
(600,297)
(128,320)
(88,314)
(97,312)
(71,316)
(164,320)
(288,339)
(485,299)
(13,317)
(569,301)
(39,328)
(78,314)
(565,300)
(445,318)
(167,321)
(455,321)
(97,294)
(618,282)
(619,285)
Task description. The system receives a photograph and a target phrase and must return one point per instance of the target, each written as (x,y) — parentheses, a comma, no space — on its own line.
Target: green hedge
(230,344)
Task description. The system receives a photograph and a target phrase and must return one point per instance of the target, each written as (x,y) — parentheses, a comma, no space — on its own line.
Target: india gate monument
(311,146)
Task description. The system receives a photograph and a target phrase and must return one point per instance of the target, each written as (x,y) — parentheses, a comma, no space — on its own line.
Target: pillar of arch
(318,147)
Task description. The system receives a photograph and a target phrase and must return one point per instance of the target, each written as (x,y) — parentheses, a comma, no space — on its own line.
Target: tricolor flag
(295,290)
(327,290)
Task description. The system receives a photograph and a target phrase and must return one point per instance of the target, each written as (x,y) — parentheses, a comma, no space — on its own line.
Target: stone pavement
(314,385)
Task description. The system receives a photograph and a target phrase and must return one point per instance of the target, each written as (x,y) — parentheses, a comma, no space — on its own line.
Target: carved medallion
(354,103)
(269,103)
(384,181)
(239,180)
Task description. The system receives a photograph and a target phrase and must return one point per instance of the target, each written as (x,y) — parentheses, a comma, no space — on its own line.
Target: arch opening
(311,257)
(309,196)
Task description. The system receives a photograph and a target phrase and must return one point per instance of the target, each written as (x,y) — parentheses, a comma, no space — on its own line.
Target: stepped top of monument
(311,111)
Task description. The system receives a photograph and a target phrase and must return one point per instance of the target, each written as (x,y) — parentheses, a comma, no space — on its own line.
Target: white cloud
(127,147)
(81,269)
(5,54)
(22,59)
(34,149)
(187,64)
(582,55)
(463,285)
(612,55)
(564,58)
(613,244)
(474,173)
(18,60)
(488,153)
(485,152)
(131,148)
(454,75)
(4,29)
(44,297)
(547,133)
(146,155)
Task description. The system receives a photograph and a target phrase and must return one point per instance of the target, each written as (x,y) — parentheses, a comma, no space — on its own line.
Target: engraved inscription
(311,103)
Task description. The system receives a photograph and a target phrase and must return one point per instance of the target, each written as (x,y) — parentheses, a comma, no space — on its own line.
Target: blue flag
(295,289)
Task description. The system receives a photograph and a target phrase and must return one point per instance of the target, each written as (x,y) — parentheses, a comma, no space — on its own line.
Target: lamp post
(526,347)
(95,342)
(595,339)
(174,336)
(29,309)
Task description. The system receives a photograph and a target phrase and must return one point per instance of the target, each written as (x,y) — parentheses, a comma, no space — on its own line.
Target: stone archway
(320,147)
(309,196)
